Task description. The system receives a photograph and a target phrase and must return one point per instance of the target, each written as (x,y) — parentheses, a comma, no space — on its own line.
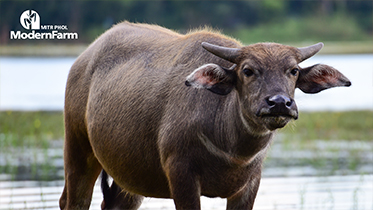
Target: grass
(25,138)
(37,129)
(43,50)
(332,143)
(28,136)
(352,125)
(49,50)
(30,129)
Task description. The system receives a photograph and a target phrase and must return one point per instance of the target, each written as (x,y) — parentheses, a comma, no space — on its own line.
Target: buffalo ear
(320,77)
(213,78)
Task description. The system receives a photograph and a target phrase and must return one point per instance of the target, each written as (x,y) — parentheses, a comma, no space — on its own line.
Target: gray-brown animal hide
(129,112)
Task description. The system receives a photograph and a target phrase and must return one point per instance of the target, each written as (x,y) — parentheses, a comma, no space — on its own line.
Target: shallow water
(290,180)
(39,83)
(332,192)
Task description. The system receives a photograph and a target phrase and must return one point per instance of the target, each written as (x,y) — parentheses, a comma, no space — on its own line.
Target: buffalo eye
(248,72)
(294,72)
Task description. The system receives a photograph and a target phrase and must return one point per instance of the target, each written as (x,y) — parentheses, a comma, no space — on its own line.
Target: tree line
(91,18)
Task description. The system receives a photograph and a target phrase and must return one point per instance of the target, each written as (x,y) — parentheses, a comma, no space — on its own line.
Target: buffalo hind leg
(81,172)
(116,198)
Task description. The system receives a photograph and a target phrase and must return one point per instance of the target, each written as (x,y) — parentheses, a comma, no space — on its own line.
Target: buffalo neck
(235,137)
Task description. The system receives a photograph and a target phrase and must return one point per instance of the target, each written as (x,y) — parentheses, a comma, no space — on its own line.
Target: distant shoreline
(59,50)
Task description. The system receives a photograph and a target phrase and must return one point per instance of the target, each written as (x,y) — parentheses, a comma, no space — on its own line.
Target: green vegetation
(250,21)
(344,26)
(305,29)
(30,129)
(50,50)
(36,129)
(329,142)
(352,125)
(25,140)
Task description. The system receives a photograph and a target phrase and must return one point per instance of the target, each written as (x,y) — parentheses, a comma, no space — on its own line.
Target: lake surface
(39,83)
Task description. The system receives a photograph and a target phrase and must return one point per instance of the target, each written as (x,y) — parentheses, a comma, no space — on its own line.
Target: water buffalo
(179,116)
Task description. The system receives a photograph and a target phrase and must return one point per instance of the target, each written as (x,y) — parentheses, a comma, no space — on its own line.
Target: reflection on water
(333,192)
(290,180)
(39,83)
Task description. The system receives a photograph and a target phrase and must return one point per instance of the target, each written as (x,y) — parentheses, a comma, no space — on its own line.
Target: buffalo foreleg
(245,198)
(184,185)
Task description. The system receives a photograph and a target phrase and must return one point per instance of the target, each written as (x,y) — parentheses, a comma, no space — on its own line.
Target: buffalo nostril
(278,100)
(288,103)
(271,103)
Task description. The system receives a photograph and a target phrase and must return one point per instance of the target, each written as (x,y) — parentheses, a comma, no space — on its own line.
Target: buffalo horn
(309,51)
(229,54)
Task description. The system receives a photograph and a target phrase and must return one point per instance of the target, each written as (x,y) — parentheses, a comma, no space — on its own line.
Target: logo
(30,20)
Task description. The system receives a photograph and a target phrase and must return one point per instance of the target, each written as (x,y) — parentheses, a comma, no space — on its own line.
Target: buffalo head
(265,76)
